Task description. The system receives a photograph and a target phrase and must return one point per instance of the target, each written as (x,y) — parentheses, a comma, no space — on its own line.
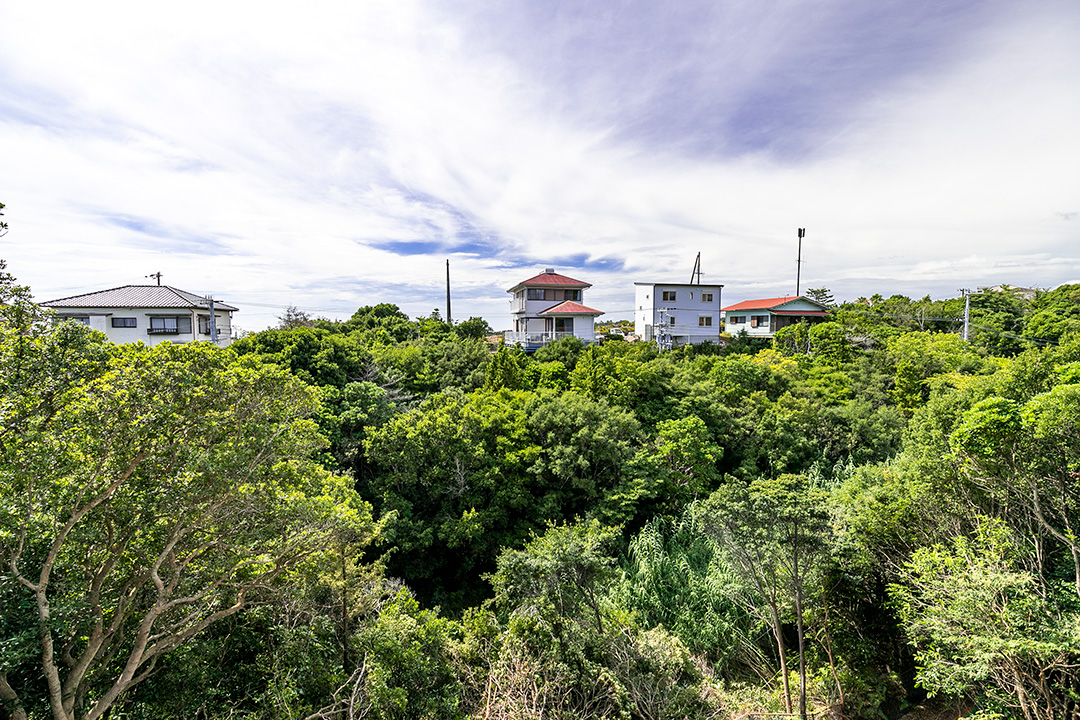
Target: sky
(335,154)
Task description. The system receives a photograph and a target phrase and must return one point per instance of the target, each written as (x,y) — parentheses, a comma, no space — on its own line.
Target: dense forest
(392,518)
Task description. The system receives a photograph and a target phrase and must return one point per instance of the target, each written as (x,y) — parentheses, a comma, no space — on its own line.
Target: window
(735,319)
(123,322)
(671,321)
(83,319)
(204,324)
(163,325)
(704,321)
(171,325)
(669,296)
(691,294)
(706,297)
(572,295)
(534,293)
(564,324)
(759,321)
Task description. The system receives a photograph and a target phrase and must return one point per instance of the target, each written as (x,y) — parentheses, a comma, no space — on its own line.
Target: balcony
(534,340)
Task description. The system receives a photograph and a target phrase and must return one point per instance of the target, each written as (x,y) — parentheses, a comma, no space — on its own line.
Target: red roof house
(547,307)
(763,318)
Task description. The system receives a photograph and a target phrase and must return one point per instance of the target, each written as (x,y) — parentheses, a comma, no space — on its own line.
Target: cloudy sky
(335,154)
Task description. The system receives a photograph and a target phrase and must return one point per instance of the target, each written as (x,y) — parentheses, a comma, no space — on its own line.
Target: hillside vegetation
(383,518)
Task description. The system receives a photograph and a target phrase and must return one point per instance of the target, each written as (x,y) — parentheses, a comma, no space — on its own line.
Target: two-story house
(763,318)
(685,314)
(547,307)
(150,313)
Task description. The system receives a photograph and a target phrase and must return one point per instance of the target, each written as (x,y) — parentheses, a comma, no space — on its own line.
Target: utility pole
(156,275)
(448,320)
(213,320)
(798,263)
(663,335)
(720,308)
(967,311)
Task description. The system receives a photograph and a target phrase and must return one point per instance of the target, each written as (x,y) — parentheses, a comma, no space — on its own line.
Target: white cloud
(291,139)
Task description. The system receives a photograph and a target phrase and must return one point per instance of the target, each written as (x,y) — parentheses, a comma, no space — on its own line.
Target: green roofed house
(149,313)
(763,318)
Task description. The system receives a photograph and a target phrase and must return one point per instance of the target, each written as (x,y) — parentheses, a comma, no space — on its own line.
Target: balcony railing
(539,339)
(163,331)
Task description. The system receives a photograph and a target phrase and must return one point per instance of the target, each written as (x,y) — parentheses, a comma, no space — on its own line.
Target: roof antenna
(155,275)
(696,271)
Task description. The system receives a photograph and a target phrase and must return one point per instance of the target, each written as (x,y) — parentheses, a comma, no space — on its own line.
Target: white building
(547,307)
(763,318)
(150,313)
(690,313)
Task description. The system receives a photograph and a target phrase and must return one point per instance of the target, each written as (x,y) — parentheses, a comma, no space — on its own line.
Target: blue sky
(335,154)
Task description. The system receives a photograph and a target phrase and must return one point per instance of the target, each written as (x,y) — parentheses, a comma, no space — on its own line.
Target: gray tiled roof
(137,296)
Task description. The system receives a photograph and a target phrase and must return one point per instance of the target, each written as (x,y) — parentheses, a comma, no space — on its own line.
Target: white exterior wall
(100,319)
(527,318)
(765,331)
(759,331)
(688,308)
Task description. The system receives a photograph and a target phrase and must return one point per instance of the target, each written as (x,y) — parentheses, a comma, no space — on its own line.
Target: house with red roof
(763,318)
(547,307)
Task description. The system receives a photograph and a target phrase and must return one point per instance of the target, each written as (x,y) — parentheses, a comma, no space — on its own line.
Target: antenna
(448,320)
(798,263)
(155,275)
(696,271)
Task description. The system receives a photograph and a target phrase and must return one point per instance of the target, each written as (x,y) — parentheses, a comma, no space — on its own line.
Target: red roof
(763,304)
(801,313)
(571,308)
(551,278)
(771,303)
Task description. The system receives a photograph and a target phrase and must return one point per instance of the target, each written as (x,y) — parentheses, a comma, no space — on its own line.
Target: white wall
(101,319)
(687,308)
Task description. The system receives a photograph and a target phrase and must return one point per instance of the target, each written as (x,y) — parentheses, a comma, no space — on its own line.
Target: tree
(144,500)
(294,317)
(774,535)
(566,350)
(505,369)
(981,624)
(3,225)
(822,295)
(919,356)
(315,355)
(475,328)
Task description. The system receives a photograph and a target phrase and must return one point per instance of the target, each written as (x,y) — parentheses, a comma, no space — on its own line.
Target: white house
(763,318)
(689,313)
(547,307)
(150,313)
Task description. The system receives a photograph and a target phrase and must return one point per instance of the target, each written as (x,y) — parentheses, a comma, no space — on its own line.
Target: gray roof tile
(137,296)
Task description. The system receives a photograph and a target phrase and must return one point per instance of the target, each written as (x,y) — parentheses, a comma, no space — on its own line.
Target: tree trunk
(778,633)
(799,625)
(12,704)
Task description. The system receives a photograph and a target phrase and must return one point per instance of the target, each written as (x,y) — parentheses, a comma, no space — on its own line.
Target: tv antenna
(696,271)
(156,275)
